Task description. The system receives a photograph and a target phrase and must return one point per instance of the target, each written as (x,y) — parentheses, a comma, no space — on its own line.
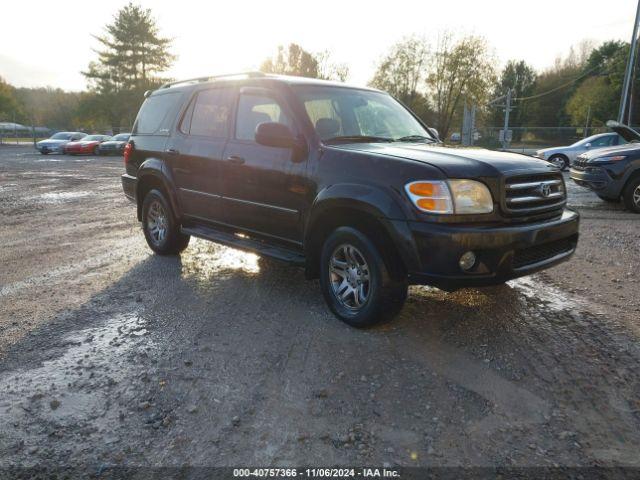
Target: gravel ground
(110,355)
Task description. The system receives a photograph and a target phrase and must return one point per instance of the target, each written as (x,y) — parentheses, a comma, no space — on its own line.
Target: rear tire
(631,195)
(160,227)
(356,282)
(559,161)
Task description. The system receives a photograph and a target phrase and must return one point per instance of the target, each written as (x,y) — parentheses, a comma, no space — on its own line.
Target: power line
(560,87)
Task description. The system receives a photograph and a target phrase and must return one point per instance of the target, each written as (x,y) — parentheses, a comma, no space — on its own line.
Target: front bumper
(502,252)
(601,180)
(50,149)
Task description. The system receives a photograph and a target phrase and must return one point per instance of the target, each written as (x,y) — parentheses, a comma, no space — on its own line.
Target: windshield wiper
(415,138)
(358,138)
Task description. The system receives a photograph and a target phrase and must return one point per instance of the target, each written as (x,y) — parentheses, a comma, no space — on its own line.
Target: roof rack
(214,77)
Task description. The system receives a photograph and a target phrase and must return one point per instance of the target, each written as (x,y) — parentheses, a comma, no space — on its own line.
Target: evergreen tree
(131,58)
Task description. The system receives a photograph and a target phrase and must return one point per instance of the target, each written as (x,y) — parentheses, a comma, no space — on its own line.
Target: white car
(563,157)
(56,143)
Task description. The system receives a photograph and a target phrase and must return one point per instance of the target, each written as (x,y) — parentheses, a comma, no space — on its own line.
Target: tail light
(128,148)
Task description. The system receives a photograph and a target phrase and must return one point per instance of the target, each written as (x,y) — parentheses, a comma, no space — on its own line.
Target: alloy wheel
(350,277)
(157,222)
(636,196)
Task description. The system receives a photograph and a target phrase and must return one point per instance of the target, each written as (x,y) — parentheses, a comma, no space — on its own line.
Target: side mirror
(587,145)
(274,134)
(435,133)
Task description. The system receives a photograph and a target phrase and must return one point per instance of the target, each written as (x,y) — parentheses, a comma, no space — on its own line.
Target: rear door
(195,152)
(263,186)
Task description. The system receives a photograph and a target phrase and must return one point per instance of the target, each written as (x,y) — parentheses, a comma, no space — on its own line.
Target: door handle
(172,151)
(235,159)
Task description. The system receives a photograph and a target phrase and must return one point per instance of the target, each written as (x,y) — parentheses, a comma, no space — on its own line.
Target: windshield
(122,137)
(61,136)
(347,113)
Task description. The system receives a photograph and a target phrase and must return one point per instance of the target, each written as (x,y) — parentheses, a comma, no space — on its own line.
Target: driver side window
(254,110)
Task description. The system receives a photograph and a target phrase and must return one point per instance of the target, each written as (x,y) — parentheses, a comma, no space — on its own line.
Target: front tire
(631,195)
(161,230)
(356,283)
(560,161)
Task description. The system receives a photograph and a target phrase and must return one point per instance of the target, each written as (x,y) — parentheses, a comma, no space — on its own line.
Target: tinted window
(209,114)
(254,110)
(122,137)
(61,136)
(153,113)
(603,141)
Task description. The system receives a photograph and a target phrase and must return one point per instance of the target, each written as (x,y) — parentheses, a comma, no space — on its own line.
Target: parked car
(563,157)
(456,137)
(57,142)
(87,145)
(344,181)
(115,146)
(613,172)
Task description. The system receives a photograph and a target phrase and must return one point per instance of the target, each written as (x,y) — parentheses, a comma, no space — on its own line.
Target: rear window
(153,117)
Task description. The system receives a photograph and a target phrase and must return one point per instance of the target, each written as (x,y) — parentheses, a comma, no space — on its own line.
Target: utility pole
(626,86)
(507,110)
(586,125)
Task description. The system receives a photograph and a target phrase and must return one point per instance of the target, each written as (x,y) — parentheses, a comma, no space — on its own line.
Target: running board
(247,244)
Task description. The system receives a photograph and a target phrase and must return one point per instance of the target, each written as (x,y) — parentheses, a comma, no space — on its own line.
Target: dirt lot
(110,355)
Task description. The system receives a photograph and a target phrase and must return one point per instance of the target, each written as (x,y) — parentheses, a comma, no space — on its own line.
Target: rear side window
(154,114)
(209,113)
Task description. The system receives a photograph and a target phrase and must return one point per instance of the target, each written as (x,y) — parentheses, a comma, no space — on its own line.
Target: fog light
(467,261)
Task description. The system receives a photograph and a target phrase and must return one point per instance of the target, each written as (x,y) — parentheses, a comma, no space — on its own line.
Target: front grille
(529,194)
(540,253)
(580,163)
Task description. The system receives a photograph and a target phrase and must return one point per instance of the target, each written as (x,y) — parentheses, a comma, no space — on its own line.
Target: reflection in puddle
(205,259)
(61,196)
(544,293)
(78,380)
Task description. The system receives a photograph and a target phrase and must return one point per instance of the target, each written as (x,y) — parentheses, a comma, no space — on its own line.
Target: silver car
(56,143)
(563,157)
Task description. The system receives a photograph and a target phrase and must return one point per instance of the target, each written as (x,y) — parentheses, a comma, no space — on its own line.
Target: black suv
(612,172)
(344,181)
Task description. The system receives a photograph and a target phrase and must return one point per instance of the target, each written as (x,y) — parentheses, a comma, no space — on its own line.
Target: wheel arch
(153,174)
(364,208)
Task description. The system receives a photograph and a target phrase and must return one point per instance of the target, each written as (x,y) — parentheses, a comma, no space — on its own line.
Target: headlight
(539,155)
(451,196)
(615,158)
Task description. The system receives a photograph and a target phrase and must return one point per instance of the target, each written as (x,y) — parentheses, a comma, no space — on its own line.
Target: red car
(87,145)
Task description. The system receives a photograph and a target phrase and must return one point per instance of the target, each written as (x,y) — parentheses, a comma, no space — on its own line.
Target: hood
(459,162)
(626,132)
(114,142)
(630,148)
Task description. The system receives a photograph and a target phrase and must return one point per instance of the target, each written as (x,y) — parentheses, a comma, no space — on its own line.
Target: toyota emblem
(545,189)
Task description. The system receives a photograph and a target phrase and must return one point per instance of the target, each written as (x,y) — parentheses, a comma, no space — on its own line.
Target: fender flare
(375,201)
(157,169)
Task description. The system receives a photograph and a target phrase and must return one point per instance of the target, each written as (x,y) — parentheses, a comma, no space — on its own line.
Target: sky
(48,43)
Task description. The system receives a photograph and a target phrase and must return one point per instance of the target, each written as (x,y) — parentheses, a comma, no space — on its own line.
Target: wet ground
(110,355)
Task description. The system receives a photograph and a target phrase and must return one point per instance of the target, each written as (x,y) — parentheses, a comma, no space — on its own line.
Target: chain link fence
(17,134)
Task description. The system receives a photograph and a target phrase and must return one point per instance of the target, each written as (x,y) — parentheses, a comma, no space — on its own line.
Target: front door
(264,188)
(195,152)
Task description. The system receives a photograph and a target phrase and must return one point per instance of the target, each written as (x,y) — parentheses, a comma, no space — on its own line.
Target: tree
(132,57)
(594,98)
(9,107)
(294,60)
(403,70)
(460,70)
(521,79)
(329,70)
